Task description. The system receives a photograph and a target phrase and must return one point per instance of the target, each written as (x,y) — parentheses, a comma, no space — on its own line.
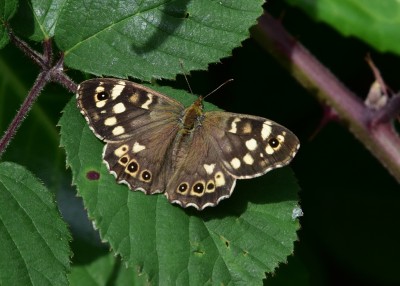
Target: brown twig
(23,111)
(378,136)
(50,72)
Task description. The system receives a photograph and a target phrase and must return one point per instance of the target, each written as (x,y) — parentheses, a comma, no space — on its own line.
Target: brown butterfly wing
(139,126)
(250,146)
(199,179)
(223,148)
(118,109)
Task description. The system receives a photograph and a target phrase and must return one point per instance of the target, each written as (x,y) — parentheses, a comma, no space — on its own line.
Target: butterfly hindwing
(141,162)
(199,179)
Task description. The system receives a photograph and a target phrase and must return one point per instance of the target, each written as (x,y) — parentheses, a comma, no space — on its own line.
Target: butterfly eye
(102,96)
(183,187)
(146,175)
(210,187)
(123,160)
(133,167)
(198,188)
(273,142)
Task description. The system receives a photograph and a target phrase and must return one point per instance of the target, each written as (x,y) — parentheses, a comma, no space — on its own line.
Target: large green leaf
(375,22)
(33,237)
(235,242)
(148,39)
(7,10)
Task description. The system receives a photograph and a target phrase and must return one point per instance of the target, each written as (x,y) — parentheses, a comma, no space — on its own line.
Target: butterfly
(156,145)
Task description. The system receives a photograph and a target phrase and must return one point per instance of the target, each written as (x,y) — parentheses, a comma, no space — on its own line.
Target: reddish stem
(40,82)
(378,135)
(49,73)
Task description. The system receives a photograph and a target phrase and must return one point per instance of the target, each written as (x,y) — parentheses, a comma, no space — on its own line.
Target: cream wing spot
(235,163)
(280,138)
(110,121)
(247,129)
(118,130)
(121,150)
(99,89)
(137,147)
(116,91)
(219,179)
(248,159)
(266,130)
(209,168)
(100,104)
(234,125)
(134,98)
(251,144)
(269,150)
(148,101)
(119,108)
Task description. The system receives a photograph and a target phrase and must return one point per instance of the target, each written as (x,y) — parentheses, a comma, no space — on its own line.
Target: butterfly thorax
(192,116)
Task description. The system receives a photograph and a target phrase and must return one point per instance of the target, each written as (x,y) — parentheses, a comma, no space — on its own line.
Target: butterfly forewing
(118,109)
(250,146)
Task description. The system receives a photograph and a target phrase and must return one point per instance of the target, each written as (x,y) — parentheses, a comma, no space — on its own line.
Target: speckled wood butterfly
(156,145)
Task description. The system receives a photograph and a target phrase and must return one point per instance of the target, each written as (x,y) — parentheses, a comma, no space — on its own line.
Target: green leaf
(45,15)
(7,10)
(375,22)
(148,39)
(33,237)
(235,242)
(105,270)
(37,19)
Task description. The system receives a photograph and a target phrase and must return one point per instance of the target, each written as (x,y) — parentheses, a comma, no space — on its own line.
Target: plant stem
(35,56)
(374,131)
(59,76)
(33,94)
(390,111)
(49,73)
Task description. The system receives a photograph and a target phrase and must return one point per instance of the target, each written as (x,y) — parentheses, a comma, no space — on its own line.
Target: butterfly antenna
(184,75)
(221,85)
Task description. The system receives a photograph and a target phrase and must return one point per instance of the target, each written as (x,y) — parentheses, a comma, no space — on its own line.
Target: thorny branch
(50,72)
(374,128)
